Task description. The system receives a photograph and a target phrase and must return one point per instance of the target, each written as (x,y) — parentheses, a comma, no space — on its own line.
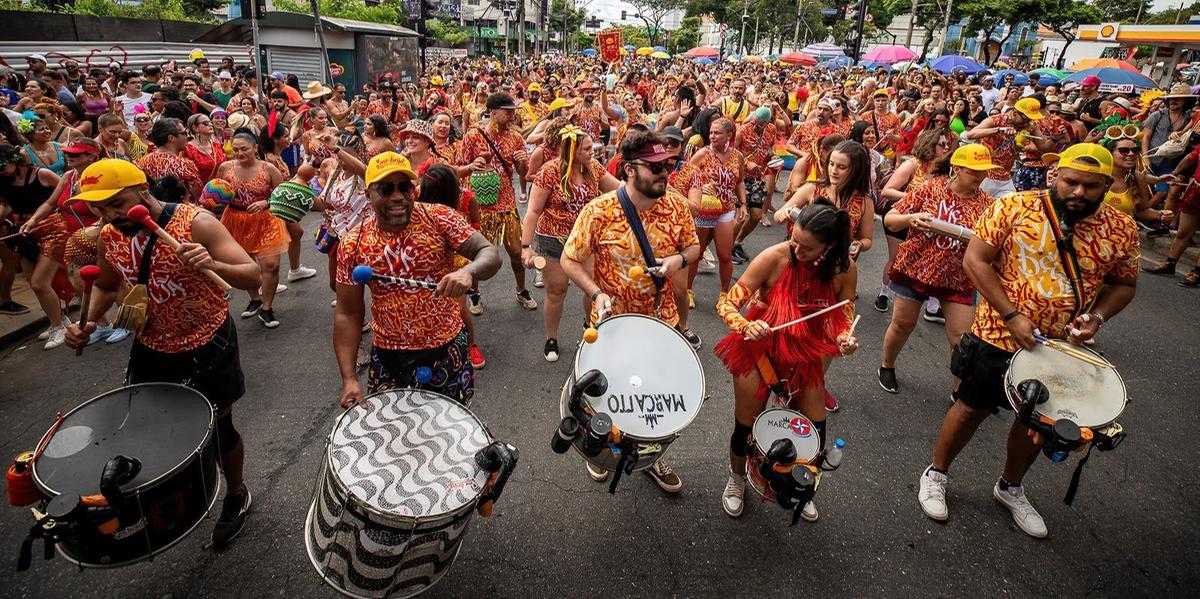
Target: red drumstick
(89,274)
(141,215)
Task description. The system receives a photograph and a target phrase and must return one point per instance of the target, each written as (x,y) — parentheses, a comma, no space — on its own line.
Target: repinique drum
(486,187)
(770,426)
(1090,396)
(130,473)
(291,201)
(402,477)
(655,387)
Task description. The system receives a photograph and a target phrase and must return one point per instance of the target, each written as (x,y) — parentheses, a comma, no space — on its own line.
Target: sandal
(1162,268)
(1192,279)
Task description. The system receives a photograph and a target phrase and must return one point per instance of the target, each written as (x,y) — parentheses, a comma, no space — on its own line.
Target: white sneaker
(44,335)
(538,281)
(731,499)
(56,338)
(707,265)
(1027,518)
(596,474)
(932,494)
(280,288)
(303,272)
(333,304)
(809,513)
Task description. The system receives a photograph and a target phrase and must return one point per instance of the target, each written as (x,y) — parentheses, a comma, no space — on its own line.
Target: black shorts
(902,234)
(756,193)
(981,367)
(213,369)
(548,247)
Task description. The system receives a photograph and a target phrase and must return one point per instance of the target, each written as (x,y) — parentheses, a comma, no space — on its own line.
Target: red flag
(610,45)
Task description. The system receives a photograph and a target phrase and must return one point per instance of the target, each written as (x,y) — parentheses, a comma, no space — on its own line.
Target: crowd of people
(668,165)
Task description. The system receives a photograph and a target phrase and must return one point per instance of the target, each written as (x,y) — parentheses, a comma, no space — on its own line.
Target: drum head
(1088,395)
(410,452)
(160,424)
(655,382)
(782,423)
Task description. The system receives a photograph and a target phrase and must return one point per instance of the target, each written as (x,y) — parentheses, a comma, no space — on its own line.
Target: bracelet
(685,262)
(1098,317)
(1011,315)
(526,246)
(596,294)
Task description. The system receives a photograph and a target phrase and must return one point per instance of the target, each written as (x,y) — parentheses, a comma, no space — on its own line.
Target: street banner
(610,45)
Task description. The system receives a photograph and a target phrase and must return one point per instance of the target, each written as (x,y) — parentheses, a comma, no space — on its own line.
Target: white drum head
(655,382)
(409,452)
(782,423)
(1088,395)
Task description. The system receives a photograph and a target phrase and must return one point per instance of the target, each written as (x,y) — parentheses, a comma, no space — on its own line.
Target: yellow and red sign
(610,45)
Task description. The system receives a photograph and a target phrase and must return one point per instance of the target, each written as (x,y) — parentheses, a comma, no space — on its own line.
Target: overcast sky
(1160,5)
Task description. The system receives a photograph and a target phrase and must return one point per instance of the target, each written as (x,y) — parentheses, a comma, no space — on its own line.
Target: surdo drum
(631,393)
(403,476)
(128,474)
(784,461)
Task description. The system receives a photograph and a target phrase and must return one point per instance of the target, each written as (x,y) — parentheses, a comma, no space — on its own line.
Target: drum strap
(1065,243)
(1074,486)
(771,378)
(495,150)
(639,233)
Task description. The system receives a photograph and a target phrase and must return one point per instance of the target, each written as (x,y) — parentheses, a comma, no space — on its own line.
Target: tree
(1173,16)
(446,31)
(987,17)
(390,12)
(631,35)
(564,18)
(1123,10)
(686,37)
(653,12)
(1064,16)
(202,8)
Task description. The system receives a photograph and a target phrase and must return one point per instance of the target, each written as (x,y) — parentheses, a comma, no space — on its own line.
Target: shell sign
(1108,32)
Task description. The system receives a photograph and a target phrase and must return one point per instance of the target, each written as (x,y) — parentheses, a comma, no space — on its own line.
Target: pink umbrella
(703,52)
(890,54)
(799,58)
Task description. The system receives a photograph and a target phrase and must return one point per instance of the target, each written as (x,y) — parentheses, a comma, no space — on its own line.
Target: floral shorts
(1026,178)
(450,371)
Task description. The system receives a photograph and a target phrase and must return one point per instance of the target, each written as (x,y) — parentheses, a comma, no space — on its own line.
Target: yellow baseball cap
(561,103)
(1088,158)
(436,80)
(975,157)
(535,87)
(105,178)
(1030,108)
(387,163)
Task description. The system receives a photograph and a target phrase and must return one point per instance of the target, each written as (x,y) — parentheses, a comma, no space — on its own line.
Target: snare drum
(167,431)
(400,482)
(655,386)
(770,426)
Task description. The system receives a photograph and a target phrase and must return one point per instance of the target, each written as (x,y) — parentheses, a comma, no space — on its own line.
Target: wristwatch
(685,262)
(596,294)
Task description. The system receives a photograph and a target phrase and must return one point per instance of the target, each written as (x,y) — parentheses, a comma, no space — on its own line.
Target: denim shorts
(910,289)
(550,248)
(709,223)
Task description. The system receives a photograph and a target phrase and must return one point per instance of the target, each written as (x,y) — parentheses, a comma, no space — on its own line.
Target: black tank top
(25,199)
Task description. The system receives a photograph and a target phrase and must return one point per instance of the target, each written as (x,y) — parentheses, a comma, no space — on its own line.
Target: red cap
(651,153)
(1090,80)
(82,145)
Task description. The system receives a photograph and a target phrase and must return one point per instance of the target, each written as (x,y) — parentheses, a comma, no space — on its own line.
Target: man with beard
(736,106)
(534,108)
(188,337)
(999,134)
(281,114)
(591,116)
(886,122)
(804,139)
(413,328)
(602,234)
(1016,264)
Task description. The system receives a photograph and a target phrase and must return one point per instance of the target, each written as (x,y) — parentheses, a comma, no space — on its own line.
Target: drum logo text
(647,407)
(130,530)
(797,426)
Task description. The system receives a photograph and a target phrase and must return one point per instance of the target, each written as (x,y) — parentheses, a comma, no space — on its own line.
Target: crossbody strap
(495,150)
(144,266)
(639,233)
(1065,243)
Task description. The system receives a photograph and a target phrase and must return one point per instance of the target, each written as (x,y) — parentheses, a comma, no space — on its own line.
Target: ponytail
(831,227)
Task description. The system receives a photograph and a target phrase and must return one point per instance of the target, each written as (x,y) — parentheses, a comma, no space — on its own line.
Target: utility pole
(859,21)
(799,17)
(945,27)
(742,33)
(912,21)
(521,27)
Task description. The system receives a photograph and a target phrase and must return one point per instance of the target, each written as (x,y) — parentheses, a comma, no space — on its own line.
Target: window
(472,2)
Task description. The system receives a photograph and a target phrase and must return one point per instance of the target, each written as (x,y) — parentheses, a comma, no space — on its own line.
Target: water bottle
(833,457)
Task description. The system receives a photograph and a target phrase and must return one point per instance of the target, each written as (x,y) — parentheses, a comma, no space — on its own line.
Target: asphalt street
(1130,533)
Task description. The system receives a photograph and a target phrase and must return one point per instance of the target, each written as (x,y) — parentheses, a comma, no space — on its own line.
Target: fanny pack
(133,309)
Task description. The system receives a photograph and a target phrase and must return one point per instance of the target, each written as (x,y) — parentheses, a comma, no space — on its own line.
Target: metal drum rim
(1010,389)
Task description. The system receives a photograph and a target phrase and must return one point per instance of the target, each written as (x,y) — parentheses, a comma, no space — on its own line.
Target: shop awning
(239,30)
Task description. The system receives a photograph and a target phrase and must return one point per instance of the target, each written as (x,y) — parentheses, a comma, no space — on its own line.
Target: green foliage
(634,35)
(567,20)
(1172,16)
(171,10)
(34,6)
(654,11)
(1123,10)
(388,12)
(1064,16)
(445,30)
(686,37)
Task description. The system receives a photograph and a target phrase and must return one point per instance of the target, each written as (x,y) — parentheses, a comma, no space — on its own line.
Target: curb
(19,333)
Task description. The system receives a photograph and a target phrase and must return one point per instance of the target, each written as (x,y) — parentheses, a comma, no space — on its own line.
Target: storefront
(1173,44)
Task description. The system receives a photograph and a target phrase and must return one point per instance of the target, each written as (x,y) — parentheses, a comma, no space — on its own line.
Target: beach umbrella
(660,49)
(753,58)
(704,60)
(823,50)
(1019,77)
(645,51)
(1103,63)
(906,65)
(630,47)
(703,52)
(660,54)
(1113,77)
(1056,73)
(798,58)
(951,63)
(890,54)
(838,61)
(589,52)
(871,66)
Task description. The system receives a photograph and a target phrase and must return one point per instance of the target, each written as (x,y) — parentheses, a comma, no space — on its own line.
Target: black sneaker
(234,510)
(551,350)
(1158,232)
(881,303)
(474,303)
(692,339)
(739,255)
(887,380)
(937,317)
(13,308)
(268,318)
(252,308)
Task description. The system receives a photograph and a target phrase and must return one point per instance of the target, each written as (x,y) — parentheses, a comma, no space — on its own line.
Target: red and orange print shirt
(405,317)
(757,145)
(933,259)
(561,210)
(157,165)
(509,144)
(1003,148)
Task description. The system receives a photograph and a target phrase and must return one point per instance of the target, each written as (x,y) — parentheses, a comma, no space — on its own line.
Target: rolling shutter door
(304,63)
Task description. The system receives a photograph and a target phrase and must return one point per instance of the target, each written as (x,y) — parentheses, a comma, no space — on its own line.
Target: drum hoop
(703,384)
(1010,388)
(193,456)
(363,507)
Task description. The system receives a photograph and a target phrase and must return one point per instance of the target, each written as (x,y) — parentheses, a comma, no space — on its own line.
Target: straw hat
(1179,90)
(315,90)
(417,127)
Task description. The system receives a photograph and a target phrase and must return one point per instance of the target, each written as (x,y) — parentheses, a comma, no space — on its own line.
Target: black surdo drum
(128,474)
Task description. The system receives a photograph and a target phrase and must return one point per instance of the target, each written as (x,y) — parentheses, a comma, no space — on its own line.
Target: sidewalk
(15,328)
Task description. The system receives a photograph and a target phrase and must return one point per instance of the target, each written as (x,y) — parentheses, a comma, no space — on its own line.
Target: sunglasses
(674,144)
(142,119)
(388,188)
(655,168)
(1128,151)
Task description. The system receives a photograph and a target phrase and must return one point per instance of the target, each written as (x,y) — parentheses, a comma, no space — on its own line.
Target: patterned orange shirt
(1031,272)
(1002,147)
(560,212)
(186,308)
(933,259)
(1051,126)
(720,179)
(602,231)
(854,209)
(885,124)
(447,154)
(590,120)
(808,134)
(404,317)
(757,145)
(680,180)
(509,143)
(157,165)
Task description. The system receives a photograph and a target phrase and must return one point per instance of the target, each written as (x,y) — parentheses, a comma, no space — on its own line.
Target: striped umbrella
(823,50)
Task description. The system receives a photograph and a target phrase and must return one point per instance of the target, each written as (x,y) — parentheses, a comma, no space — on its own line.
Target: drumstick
(1066,348)
(857,317)
(89,274)
(804,318)
(141,215)
(362,274)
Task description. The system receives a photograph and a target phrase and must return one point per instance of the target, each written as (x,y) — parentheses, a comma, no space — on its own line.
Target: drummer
(809,272)
(188,337)
(1014,262)
(602,232)
(418,334)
